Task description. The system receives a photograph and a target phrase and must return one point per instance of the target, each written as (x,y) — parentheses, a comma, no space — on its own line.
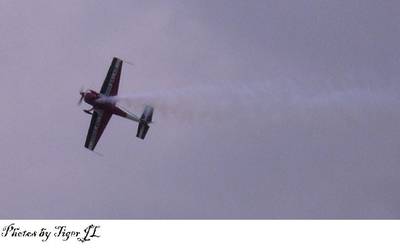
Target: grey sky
(264,109)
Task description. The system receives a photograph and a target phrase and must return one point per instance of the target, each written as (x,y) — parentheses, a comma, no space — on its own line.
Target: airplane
(102,110)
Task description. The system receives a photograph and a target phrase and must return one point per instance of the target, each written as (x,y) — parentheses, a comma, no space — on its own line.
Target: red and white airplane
(102,110)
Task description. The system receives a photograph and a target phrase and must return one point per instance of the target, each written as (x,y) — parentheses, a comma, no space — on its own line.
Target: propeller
(82,93)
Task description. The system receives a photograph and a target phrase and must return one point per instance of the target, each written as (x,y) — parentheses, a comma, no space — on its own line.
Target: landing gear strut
(89,111)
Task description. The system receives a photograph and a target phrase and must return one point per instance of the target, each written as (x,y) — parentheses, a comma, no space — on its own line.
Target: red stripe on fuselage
(92,98)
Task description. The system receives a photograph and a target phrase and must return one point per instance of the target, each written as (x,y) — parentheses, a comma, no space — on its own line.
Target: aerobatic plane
(102,109)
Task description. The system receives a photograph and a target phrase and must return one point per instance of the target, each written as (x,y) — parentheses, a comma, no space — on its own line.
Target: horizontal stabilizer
(144,122)
(142,129)
(147,114)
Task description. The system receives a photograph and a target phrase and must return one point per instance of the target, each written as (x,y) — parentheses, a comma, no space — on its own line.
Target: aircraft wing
(98,123)
(111,82)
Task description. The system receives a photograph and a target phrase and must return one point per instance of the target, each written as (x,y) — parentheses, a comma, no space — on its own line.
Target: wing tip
(117,59)
(89,147)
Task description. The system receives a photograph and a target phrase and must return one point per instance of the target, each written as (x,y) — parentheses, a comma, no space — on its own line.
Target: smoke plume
(227,102)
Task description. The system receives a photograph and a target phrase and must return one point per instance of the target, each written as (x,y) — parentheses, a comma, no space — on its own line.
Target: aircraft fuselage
(94,99)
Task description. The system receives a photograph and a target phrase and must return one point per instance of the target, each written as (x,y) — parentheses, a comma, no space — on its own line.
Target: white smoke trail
(197,102)
(250,102)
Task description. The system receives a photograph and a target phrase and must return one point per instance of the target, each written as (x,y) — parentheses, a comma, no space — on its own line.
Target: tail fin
(144,122)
